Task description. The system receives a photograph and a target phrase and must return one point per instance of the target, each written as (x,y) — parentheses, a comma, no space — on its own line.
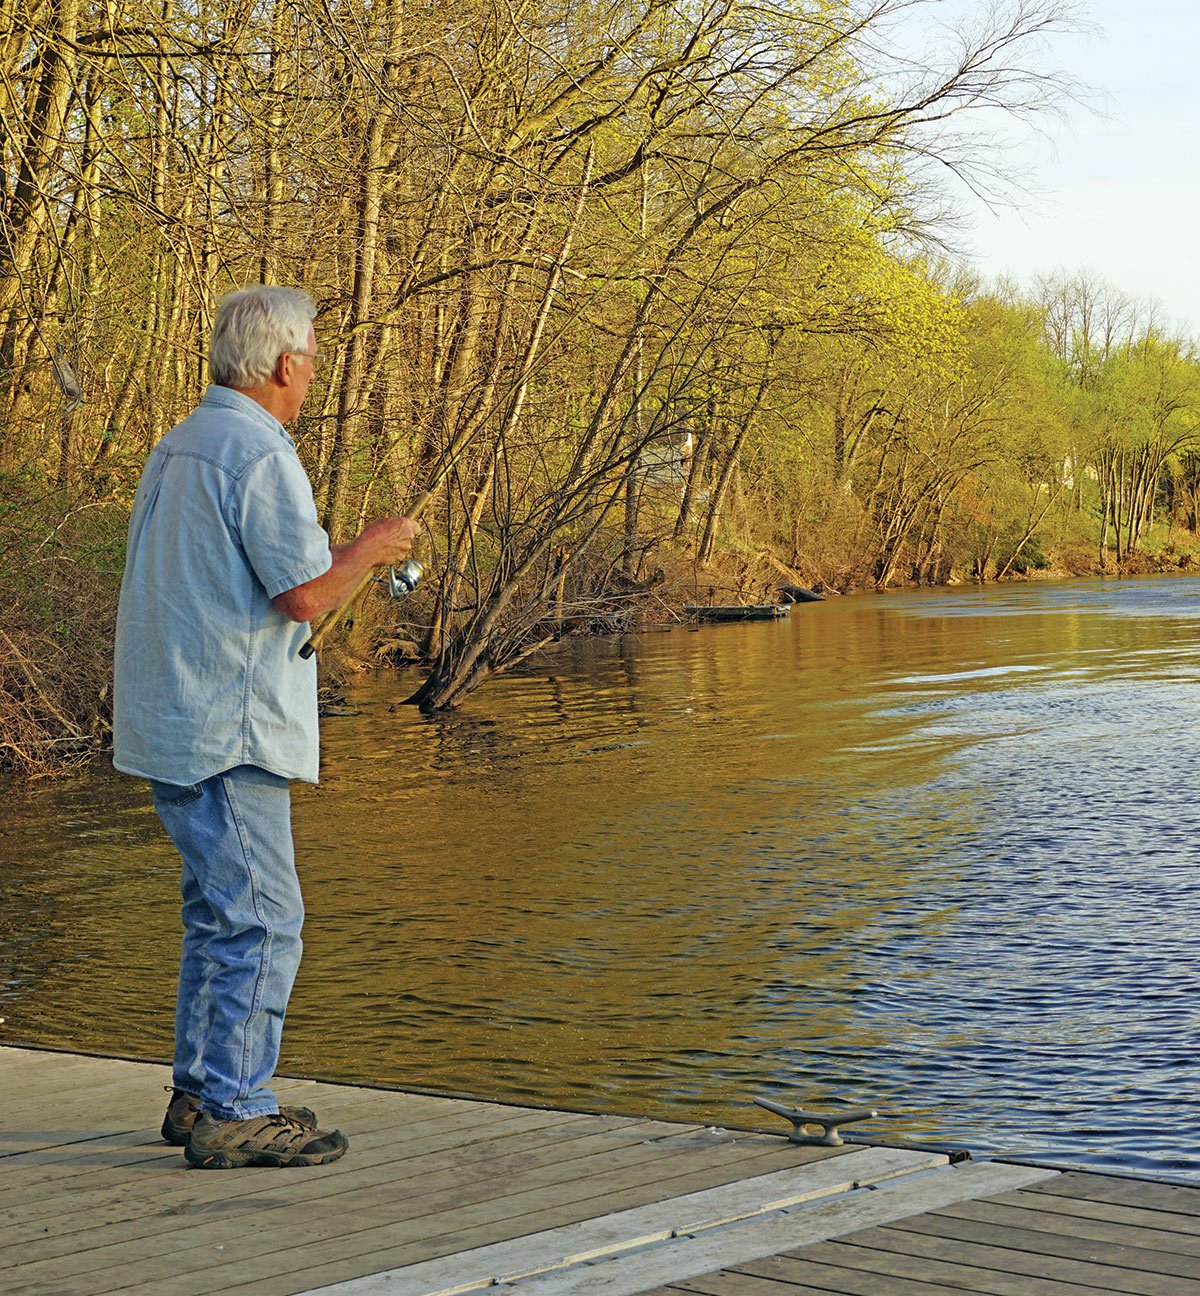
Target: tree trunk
(708,540)
(40,139)
(634,478)
(350,414)
(702,441)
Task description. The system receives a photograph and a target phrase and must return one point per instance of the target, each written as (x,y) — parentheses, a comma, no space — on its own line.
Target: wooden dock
(441,1196)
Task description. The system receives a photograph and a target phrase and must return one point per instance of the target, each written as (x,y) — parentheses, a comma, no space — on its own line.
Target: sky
(1118,189)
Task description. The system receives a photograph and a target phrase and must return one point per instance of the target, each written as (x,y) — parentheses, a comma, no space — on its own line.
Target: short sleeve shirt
(208,674)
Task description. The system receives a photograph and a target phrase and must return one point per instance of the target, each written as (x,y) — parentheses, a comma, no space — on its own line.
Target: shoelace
(293,1129)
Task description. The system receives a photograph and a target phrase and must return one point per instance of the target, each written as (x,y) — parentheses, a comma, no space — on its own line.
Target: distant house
(666,462)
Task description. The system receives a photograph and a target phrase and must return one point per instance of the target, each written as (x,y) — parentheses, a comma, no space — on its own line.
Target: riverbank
(748,575)
(55,648)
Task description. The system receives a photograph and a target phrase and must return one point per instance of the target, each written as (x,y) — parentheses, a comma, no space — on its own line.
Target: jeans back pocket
(175,794)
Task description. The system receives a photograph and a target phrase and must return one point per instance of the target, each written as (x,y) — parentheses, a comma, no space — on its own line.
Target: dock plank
(552,1250)
(1093,1209)
(384,1250)
(107,1205)
(381,1172)
(1123,1191)
(885,1265)
(691,1257)
(1114,1254)
(845,1282)
(1119,1230)
(1099,1277)
(155,1169)
(396,1120)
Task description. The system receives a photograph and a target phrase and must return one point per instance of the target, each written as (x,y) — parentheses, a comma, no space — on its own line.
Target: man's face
(299,375)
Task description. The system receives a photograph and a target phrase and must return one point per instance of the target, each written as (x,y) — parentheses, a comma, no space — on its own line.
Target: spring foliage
(618,280)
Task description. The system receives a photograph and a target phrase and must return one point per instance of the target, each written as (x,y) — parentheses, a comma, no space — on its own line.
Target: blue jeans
(242,915)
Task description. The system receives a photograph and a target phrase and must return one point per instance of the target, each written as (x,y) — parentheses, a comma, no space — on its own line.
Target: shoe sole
(234,1160)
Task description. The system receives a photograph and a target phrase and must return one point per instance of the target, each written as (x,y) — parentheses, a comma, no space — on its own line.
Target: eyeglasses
(313,356)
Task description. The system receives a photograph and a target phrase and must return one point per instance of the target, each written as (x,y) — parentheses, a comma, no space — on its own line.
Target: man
(213,705)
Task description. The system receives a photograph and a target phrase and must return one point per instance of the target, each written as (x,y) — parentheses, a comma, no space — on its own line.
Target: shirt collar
(220,397)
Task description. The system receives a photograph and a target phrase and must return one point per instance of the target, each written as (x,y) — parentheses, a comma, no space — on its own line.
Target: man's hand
(390,540)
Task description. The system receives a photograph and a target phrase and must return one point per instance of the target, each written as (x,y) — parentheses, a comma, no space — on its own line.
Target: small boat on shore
(735,611)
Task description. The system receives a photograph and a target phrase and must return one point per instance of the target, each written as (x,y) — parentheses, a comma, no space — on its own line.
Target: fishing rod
(402,580)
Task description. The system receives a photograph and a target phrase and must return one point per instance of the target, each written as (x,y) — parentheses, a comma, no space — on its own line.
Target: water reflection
(929,851)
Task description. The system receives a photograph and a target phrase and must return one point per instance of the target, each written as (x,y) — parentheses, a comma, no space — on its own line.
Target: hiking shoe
(260,1141)
(185,1107)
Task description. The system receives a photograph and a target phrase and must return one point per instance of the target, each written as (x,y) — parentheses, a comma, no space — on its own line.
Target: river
(932,852)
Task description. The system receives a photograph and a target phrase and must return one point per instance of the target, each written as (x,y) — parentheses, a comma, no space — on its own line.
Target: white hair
(253,328)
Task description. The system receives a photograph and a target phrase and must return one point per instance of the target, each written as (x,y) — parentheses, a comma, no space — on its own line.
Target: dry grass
(60,574)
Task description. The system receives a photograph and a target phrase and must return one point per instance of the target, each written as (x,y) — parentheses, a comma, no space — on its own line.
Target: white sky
(1118,193)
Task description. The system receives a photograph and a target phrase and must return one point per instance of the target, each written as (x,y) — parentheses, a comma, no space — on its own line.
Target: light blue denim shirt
(207,673)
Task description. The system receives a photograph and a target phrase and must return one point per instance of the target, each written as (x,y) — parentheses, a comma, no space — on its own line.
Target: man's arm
(389,540)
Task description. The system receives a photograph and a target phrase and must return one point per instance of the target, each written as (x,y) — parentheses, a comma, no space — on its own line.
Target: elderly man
(215,707)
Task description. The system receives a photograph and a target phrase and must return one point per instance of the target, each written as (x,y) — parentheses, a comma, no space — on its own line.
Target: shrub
(60,573)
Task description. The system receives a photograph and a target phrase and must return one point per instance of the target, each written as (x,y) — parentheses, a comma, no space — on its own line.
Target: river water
(931,852)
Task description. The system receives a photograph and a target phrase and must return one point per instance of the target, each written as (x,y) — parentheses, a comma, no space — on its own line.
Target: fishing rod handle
(330,619)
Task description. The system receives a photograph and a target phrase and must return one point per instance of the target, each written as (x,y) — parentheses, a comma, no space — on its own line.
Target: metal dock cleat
(830,1124)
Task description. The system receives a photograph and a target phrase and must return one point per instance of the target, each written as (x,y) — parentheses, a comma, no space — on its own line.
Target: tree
(547,244)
